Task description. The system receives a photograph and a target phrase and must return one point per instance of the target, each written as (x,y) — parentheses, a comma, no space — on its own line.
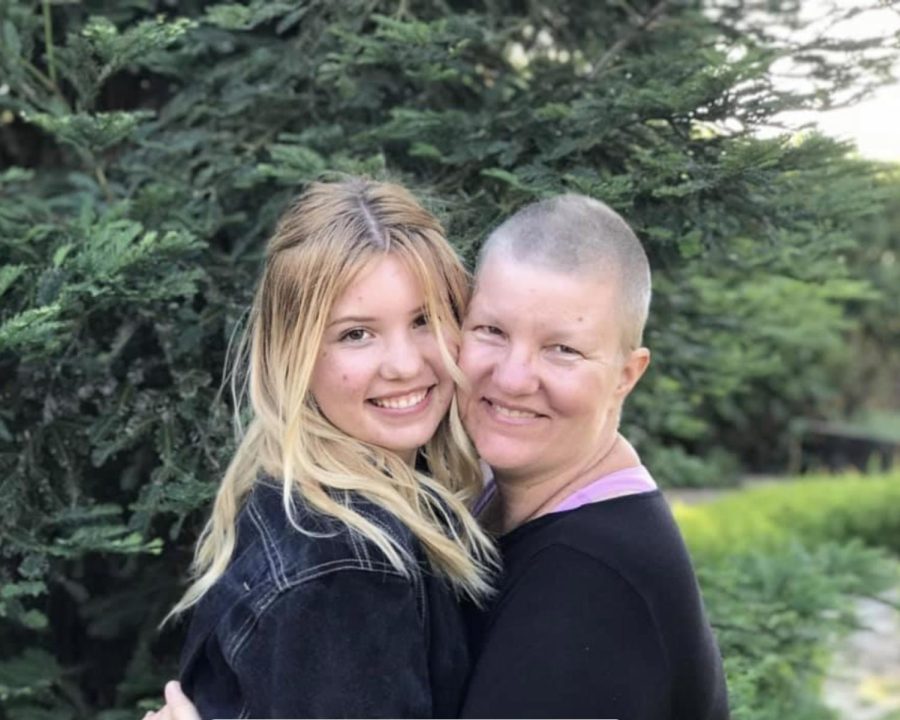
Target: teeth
(403,402)
(509,412)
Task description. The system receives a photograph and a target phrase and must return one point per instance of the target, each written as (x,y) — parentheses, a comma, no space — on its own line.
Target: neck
(525,498)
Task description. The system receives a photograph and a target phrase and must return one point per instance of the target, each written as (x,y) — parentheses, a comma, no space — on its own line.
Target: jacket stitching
(273,557)
(423,606)
(244,631)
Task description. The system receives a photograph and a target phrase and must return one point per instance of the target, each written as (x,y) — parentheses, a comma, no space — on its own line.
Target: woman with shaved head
(598,612)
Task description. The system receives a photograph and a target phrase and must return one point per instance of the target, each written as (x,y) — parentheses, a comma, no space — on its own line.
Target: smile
(513,413)
(402,402)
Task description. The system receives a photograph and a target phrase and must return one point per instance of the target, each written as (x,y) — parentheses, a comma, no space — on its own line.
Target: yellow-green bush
(779,565)
(811,509)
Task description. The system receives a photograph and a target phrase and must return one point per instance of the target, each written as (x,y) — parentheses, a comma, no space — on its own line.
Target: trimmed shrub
(779,567)
(811,509)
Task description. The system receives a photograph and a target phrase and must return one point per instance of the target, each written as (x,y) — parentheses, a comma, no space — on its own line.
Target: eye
(565,350)
(355,335)
(420,320)
(492,330)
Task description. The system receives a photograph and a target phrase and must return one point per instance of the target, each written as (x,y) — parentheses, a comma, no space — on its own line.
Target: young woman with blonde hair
(326,580)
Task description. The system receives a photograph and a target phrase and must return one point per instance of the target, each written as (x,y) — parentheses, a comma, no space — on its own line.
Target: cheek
(474,360)
(577,395)
(431,352)
(340,374)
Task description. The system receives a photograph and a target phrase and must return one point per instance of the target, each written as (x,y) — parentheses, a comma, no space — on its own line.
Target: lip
(419,407)
(491,410)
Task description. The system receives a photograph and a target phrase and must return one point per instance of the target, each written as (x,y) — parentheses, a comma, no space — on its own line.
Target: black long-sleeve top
(598,615)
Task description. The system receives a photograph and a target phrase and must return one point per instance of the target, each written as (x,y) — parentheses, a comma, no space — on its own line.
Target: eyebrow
(351,319)
(568,335)
(363,319)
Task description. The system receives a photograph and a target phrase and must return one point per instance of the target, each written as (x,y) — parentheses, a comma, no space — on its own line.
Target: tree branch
(628,38)
(48,42)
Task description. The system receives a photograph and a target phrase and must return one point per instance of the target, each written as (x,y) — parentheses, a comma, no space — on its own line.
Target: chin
(503,456)
(405,444)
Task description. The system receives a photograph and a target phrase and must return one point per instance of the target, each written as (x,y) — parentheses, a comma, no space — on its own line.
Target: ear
(635,365)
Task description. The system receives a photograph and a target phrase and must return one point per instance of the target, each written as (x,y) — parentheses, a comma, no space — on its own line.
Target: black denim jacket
(302,626)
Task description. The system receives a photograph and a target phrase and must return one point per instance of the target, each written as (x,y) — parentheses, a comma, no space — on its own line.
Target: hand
(177,707)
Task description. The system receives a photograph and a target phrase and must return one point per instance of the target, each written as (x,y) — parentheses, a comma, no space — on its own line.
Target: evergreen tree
(148,147)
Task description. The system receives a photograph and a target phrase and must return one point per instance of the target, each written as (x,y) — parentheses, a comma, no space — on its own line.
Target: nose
(402,358)
(514,373)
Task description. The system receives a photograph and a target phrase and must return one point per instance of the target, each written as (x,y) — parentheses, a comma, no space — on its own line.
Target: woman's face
(379,376)
(543,357)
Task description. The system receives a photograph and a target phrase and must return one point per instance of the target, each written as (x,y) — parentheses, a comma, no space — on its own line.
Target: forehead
(383,280)
(521,292)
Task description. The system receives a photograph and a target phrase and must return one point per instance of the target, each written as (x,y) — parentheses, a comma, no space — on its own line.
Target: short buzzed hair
(579,235)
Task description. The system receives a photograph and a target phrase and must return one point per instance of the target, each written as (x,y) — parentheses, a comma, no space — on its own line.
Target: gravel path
(863,682)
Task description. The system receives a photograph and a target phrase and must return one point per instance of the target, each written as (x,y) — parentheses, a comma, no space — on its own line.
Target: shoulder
(628,560)
(575,583)
(286,648)
(628,550)
(278,568)
(563,595)
(277,555)
(309,544)
(627,517)
(567,639)
(635,536)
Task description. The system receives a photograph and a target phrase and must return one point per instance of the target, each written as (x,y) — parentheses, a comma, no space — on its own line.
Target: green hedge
(811,509)
(779,566)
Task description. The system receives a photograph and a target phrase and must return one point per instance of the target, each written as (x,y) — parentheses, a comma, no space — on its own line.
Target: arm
(570,639)
(347,644)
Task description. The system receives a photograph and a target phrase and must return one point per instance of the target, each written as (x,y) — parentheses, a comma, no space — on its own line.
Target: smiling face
(542,352)
(379,376)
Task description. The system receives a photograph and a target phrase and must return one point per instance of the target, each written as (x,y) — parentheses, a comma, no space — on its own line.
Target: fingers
(180,707)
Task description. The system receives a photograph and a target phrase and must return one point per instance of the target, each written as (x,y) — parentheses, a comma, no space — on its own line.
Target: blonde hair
(320,244)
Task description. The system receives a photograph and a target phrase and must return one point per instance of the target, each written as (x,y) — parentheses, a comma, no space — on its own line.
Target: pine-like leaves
(149,150)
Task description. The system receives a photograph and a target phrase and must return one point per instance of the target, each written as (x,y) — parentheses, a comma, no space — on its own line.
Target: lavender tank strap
(630,481)
(490,489)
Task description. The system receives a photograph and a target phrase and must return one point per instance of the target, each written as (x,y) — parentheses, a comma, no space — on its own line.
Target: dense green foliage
(870,391)
(147,148)
(777,615)
(778,566)
(814,509)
